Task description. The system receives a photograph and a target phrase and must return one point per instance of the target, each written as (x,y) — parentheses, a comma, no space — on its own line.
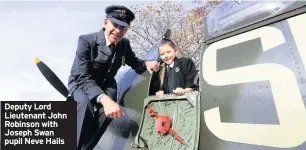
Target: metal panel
(185,122)
(297,8)
(253,102)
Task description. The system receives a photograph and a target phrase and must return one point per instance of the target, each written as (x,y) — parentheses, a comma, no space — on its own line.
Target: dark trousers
(90,124)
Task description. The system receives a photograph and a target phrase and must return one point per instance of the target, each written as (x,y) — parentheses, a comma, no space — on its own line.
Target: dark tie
(167,71)
(168,67)
(112,47)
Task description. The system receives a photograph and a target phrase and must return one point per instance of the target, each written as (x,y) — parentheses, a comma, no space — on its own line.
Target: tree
(194,30)
(152,20)
(206,5)
(189,37)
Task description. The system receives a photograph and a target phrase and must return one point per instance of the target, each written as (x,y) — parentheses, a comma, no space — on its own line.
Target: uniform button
(96,65)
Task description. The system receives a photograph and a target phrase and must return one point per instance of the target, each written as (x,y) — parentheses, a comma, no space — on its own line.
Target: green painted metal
(184,112)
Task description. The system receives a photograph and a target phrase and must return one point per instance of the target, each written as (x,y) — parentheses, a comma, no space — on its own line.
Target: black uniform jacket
(95,64)
(182,75)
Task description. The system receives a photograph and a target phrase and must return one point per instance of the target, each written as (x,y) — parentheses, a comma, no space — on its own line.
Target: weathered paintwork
(184,112)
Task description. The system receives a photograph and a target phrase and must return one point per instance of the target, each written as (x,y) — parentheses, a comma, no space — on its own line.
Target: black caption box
(38,125)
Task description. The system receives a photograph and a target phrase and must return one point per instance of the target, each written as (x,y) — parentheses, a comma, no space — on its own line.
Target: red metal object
(163,124)
(151,111)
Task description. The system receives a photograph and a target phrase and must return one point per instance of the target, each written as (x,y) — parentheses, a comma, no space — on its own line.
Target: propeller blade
(52,78)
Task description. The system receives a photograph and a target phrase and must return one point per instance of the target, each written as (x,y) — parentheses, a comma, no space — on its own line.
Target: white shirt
(107,41)
(172,64)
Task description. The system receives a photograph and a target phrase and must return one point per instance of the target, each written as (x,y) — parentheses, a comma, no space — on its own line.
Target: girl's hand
(159,94)
(179,91)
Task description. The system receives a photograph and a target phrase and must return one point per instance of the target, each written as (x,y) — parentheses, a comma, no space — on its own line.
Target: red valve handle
(163,124)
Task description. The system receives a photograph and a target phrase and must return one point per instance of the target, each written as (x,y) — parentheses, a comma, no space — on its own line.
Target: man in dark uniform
(99,55)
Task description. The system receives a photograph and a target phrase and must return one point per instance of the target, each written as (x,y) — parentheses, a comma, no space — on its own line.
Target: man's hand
(159,94)
(179,91)
(152,65)
(111,108)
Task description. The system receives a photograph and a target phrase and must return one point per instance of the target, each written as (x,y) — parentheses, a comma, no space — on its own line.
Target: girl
(177,74)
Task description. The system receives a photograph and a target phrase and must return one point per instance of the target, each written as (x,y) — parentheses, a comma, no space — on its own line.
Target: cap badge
(122,14)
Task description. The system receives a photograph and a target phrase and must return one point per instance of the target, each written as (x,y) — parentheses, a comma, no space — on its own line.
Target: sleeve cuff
(144,64)
(189,85)
(93,92)
(98,98)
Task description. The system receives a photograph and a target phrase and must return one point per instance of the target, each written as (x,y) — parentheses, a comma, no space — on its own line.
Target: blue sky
(48,30)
